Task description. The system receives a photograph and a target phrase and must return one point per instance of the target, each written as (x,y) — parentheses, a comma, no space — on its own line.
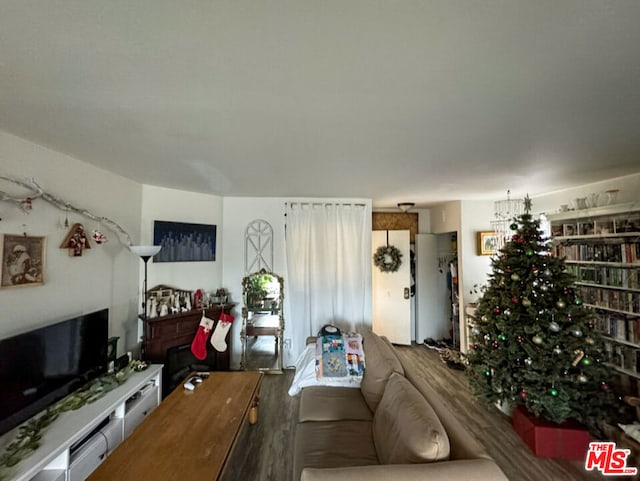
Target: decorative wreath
(388,258)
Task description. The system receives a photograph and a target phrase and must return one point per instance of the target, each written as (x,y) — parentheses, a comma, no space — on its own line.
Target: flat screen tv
(42,366)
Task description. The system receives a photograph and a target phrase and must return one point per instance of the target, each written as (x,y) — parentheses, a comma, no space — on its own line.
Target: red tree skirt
(568,440)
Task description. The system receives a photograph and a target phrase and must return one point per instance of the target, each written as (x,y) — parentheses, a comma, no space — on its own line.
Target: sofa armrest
(467,469)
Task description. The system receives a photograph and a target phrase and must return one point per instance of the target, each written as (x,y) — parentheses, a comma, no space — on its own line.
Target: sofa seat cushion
(406,429)
(333,444)
(381,363)
(325,403)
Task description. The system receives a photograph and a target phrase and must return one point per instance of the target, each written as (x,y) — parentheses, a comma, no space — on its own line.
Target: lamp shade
(145,251)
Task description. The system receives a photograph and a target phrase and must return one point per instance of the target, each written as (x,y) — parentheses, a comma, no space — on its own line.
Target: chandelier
(505,211)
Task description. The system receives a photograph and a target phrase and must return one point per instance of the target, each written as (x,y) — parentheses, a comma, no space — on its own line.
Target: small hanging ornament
(589,340)
(586,361)
(547,272)
(523,395)
(513,226)
(519,339)
(526,302)
(487,337)
(577,332)
(577,301)
(494,344)
(553,391)
(528,361)
(544,288)
(579,354)
(76,241)
(604,386)
(554,326)
(474,346)
(537,339)
(502,337)
(487,372)
(507,312)
(496,310)
(528,252)
(560,304)
(582,378)
(557,350)
(515,277)
(515,299)
(98,237)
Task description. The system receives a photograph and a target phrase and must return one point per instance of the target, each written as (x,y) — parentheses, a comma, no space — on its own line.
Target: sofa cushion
(406,429)
(325,403)
(333,444)
(381,363)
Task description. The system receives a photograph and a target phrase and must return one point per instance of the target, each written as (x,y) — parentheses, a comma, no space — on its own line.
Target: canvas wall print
(22,260)
(184,242)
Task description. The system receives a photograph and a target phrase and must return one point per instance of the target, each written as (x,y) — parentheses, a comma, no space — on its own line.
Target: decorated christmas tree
(534,343)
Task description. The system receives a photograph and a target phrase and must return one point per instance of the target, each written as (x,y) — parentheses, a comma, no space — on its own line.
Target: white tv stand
(70,449)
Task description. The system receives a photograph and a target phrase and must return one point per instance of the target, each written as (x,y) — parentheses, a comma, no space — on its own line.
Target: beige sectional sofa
(394,427)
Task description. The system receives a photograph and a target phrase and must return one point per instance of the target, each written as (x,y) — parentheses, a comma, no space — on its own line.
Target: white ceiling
(421,101)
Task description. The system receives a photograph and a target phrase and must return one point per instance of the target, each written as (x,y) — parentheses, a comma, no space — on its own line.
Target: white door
(391,290)
(433,306)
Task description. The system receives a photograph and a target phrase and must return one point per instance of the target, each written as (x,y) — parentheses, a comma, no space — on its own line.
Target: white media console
(78,441)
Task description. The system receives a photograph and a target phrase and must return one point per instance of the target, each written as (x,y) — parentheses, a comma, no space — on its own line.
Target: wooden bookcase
(602,249)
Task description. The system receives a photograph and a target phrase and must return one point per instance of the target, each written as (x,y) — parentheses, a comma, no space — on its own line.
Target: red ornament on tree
(515,299)
(496,310)
(523,395)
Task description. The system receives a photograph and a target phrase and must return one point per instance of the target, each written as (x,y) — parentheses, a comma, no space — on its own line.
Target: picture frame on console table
(23,260)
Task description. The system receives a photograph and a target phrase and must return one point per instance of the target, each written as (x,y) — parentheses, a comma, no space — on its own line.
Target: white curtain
(328,250)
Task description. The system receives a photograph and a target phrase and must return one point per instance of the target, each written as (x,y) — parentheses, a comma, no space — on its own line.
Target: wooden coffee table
(190,436)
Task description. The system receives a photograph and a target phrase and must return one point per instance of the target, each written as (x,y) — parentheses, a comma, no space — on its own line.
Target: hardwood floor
(264,451)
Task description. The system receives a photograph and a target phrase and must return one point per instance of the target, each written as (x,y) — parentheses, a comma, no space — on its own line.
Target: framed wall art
(23,260)
(184,242)
(488,243)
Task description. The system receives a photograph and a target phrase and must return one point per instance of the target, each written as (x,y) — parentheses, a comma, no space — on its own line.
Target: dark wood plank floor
(264,451)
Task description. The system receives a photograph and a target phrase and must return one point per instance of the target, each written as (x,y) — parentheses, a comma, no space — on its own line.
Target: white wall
(475,217)
(238,213)
(159,203)
(445,217)
(105,275)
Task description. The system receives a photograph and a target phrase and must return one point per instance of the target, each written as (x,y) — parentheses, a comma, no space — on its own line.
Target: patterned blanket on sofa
(339,357)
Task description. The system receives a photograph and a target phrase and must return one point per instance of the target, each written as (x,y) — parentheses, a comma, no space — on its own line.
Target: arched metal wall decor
(258,246)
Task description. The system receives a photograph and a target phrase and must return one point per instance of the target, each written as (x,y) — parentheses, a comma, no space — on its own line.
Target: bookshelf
(602,249)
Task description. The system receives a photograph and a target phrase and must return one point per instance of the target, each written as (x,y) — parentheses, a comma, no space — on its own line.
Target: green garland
(29,434)
(388,258)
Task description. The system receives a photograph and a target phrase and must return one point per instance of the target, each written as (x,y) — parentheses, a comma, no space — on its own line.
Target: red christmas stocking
(199,343)
(217,339)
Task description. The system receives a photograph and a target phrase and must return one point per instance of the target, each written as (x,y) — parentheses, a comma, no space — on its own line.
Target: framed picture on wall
(22,260)
(184,242)
(488,243)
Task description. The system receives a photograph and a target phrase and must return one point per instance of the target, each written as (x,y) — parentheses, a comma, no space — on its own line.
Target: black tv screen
(40,367)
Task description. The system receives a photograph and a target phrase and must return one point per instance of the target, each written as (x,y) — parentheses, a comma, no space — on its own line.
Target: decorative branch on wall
(36,192)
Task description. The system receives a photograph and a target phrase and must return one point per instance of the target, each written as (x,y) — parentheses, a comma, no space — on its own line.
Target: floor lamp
(145,253)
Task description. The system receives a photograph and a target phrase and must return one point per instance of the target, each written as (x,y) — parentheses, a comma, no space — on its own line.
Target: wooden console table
(190,436)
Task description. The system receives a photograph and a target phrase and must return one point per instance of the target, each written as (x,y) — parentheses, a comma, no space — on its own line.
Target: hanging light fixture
(405,206)
(504,212)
